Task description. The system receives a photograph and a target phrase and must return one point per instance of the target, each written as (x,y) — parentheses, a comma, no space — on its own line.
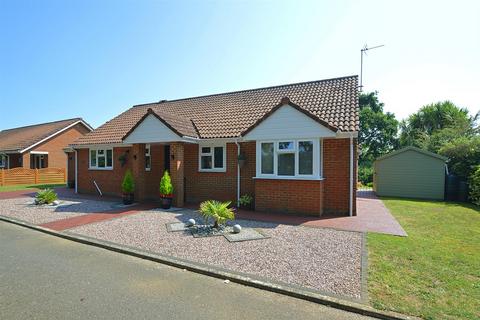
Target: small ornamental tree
(128,184)
(166,187)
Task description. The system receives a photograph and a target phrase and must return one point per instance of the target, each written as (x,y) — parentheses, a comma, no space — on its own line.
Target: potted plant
(128,187)
(242,158)
(166,191)
(246,202)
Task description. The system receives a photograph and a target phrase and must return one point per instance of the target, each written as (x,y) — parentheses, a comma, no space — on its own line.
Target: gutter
(238,174)
(350,204)
(76,171)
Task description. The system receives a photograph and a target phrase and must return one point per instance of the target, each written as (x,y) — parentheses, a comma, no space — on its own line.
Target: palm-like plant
(217,210)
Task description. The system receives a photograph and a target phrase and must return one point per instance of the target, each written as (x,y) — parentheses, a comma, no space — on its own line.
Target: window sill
(289,178)
(213,170)
(100,169)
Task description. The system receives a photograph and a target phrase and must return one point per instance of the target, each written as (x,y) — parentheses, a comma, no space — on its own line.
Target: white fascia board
(38,152)
(212,140)
(55,134)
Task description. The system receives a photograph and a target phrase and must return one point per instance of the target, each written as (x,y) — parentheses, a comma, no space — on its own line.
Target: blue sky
(94,59)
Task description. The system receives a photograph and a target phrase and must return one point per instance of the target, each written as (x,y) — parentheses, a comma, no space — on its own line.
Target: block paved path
(372,216)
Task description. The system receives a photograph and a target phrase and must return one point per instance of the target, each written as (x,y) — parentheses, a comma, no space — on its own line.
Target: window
(289,158)
(267,157)
(212,158)
(3,161)
(101,158)
(148,159)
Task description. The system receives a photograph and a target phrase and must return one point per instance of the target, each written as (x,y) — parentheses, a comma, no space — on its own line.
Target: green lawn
(434,273)
(29,186)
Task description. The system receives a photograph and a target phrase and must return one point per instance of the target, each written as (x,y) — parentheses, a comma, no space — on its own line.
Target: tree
(436,124)
(378,129)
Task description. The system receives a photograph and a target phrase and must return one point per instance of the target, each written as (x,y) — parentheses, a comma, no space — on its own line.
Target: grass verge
(434,273)
(29,186)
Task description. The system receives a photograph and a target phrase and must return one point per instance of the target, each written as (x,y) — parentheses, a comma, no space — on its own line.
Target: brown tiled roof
(17,139)
(333,101)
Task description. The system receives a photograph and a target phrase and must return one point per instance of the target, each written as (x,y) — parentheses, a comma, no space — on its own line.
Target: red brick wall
(289,196)
(221,186)
(109,181)
(336,171)
(54,146)
(330,195)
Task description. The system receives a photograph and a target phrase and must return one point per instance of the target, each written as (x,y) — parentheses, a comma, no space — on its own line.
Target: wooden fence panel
(16,176)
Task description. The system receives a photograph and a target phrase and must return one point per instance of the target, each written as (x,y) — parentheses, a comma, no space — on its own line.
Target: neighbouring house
(297,143)
(410,173)
(40,145)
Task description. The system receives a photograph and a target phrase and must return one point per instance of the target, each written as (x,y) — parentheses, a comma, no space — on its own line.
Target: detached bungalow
(41,145)
(297,144)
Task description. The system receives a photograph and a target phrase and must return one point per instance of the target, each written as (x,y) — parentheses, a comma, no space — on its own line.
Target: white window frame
(149,155)
(317,173)
(96,167)
(5,161)
(212,147)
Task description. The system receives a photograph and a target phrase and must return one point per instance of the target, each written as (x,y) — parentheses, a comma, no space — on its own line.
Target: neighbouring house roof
(411,148)
(23,138)
(332,102)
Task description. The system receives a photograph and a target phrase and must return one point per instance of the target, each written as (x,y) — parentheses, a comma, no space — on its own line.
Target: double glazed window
(101,158)
(148,159)
(212,158)
(3,161)
(289,158)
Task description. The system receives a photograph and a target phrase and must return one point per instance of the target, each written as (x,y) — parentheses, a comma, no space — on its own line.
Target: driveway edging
(221,274)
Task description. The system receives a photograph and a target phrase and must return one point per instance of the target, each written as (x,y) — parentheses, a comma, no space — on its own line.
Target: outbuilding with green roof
(410,173)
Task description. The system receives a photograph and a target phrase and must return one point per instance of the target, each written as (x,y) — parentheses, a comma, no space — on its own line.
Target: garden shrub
(166,187)
(365,175)
(475,186)
(45,196)
(128,184)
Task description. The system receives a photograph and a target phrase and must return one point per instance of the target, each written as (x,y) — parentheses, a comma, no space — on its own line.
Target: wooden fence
(16,176)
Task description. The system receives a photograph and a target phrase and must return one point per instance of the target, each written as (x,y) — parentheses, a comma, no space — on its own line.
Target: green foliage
(166,187)
(475,186)
(45,196)
(128,184)
(378,129)
(436,124)
(217,210)
(245,200)
(365,175)
(463,154)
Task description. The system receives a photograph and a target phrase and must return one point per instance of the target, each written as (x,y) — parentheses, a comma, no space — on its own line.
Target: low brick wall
(289,196)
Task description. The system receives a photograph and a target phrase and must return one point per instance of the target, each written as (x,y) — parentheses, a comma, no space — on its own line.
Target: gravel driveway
(322,259)
(24,209)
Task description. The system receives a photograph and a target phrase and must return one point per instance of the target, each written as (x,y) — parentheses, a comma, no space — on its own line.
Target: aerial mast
(362,52)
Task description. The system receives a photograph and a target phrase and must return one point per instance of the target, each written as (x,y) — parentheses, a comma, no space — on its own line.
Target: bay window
(289,159)
(212,158)
(101,159)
